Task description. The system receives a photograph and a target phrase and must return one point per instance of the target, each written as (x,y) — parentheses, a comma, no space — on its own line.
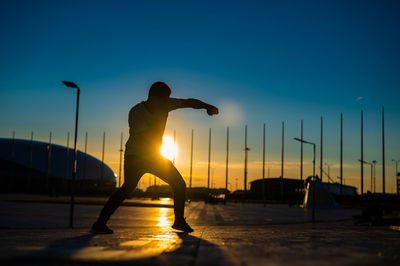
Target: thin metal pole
(263,167)
(341,153)
(314,159)
(395,177)
(227,161)
(301,151)
(102,156)
(321,150)
(84,161)
(362,152)
(282,157)
(245,158)
(191,160)
(383,150)
(313,191)
(209,158)
(120,160)
(75,154)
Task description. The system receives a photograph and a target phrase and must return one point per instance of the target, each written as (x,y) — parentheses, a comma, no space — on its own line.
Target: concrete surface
(235,234)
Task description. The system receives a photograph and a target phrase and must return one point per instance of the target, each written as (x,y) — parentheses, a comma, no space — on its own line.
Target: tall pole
(321,150)
(313,189)
(383,149)
(314,159)
(102,156)
(282,157)
(301,151)
(209,158)
(74,169)
(85,158)
(227,160)
(341,153)
(120,159)
(362,152)
(263,167)
(245,158)
(191,160)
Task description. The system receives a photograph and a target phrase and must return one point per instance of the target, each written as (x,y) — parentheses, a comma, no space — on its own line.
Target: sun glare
(168,150)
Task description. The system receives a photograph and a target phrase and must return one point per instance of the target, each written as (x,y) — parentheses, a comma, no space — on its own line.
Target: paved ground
(235,234)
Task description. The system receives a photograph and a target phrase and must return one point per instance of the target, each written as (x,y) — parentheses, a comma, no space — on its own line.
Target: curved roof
(19,150)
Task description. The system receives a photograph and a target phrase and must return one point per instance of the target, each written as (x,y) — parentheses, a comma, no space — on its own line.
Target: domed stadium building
(39,167)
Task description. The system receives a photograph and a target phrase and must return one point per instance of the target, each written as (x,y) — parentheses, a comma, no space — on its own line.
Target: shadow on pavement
(185,249)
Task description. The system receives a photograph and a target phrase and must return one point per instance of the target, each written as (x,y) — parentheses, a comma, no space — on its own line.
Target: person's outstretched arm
(192,103)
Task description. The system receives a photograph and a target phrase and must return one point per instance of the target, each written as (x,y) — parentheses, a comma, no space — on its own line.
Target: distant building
(38,167)
(293,189)
(334,188)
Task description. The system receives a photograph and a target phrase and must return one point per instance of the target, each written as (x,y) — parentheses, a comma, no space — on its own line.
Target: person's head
(159,91)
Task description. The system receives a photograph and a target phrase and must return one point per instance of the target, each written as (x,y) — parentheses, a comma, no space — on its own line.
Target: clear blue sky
(260,61)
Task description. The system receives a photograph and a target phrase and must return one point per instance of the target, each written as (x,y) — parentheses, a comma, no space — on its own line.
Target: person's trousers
(135,167)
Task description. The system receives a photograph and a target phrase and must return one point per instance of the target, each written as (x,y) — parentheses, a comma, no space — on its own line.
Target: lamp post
(371,165)
(314,145)
(313,191)
(71,213)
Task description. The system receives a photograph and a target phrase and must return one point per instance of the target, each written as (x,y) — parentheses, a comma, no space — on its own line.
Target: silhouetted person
(147,122)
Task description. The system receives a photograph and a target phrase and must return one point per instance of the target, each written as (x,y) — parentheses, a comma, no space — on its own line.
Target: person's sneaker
(99,228)
(182,225)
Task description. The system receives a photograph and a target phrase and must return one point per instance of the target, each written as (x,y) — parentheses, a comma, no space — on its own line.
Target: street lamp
(313,191)
(307,142)
(71,213)
(371,165)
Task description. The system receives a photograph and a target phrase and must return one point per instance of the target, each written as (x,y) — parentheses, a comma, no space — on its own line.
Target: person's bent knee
(180,184)
(127,188)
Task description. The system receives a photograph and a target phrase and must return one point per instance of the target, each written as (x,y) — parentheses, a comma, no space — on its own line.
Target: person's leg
(166,171)
(133,172)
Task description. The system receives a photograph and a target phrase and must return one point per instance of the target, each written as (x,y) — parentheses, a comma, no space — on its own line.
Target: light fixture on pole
(71,213)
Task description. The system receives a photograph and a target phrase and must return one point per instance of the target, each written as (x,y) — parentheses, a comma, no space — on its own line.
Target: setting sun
(168,149)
